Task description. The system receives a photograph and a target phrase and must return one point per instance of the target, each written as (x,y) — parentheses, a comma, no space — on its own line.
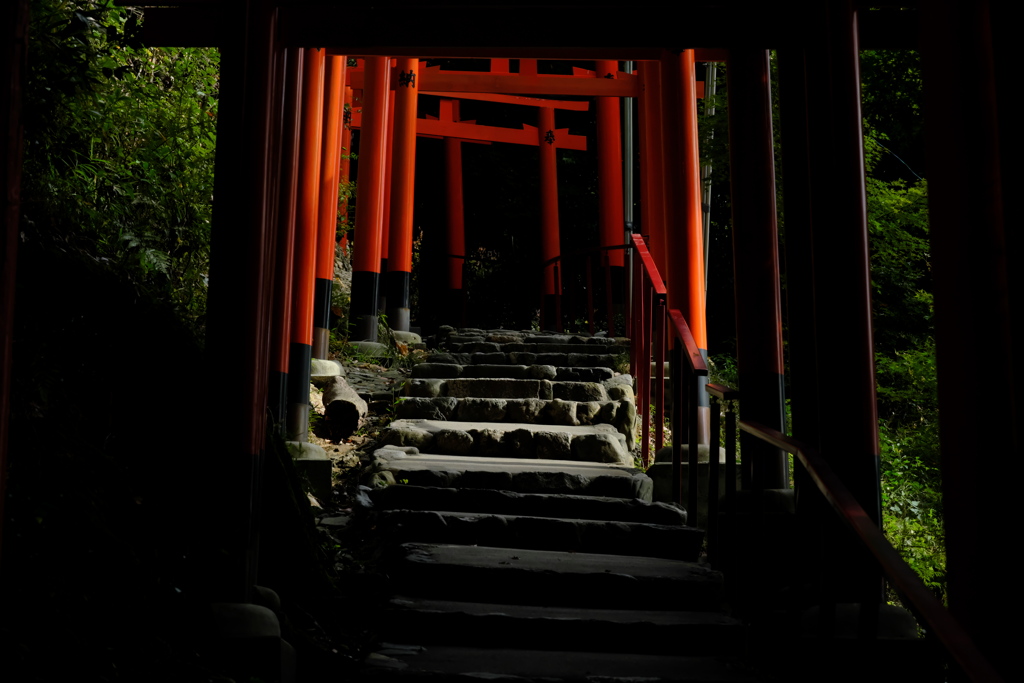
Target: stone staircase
(522,542)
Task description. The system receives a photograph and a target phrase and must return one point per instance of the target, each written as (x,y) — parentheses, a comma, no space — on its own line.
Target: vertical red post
(755,244)
(456,237)
(239,304)
(311,144)
(327,219)
(550,247)
(285,257)
(12,65)
(345,166)
(370,207)
(609,180)
(403,173)
(684,228)
(652,164)
(828,276)
(385,234)
(974,174)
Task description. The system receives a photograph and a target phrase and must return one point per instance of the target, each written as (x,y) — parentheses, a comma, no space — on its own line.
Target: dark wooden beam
(540,32)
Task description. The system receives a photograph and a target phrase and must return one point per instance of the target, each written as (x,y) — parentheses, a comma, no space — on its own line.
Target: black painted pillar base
(363,313)
(277,386)
(321,317)
(299,358)
(397,288)
(382,294)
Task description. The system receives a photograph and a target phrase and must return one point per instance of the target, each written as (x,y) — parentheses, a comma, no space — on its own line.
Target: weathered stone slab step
(447,334)
(552,578)
(490,387)
(532,504)
(395,662)
(530,346)
(619,414)
(394,465)
(430,622)
(542,533)
(604,360)
(432,370)
(591,443)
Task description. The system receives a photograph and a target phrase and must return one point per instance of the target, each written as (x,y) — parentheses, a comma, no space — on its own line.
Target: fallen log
(343,408)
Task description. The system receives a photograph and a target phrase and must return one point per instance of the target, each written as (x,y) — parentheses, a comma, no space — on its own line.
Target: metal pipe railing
(647,332)
(693,367)
(722,397)
(920,600)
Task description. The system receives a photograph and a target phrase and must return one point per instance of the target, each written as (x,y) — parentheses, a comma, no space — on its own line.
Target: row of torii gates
(317,130)
(971,62)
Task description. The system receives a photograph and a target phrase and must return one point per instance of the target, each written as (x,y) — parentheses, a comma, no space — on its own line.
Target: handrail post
(678,410)
(643,374)
(634,338)
(692,389)
(659,389)
(713,477)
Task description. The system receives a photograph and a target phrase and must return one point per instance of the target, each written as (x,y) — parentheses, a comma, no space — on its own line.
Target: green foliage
(119,144)
(901,281)
(891,96)
(912,502)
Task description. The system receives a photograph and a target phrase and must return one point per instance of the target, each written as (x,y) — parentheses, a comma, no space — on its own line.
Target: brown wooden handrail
(723,392)
(924,604)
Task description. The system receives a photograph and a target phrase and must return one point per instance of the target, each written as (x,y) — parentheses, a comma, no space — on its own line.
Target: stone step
(575,360)
(599,443)
(553,578)
(396,662)
(400,497)
(496,387)
(530,346)
(433,622)
(619,414)
(447,334)
(439,370)
(395,465)
(542,533)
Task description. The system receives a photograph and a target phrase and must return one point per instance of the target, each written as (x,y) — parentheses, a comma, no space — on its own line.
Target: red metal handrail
(689,388)
(649,322)
(647,329)
(922,602)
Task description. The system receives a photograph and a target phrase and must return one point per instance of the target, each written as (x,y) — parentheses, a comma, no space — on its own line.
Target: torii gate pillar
(609,178)
(684,234)
(370,207)
(549,217)
(301,347)
(403,172)
(456,238)
(327,222)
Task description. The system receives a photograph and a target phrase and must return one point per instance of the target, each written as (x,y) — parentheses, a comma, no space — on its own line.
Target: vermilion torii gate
(449,127)
(972,143)
(674,181)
